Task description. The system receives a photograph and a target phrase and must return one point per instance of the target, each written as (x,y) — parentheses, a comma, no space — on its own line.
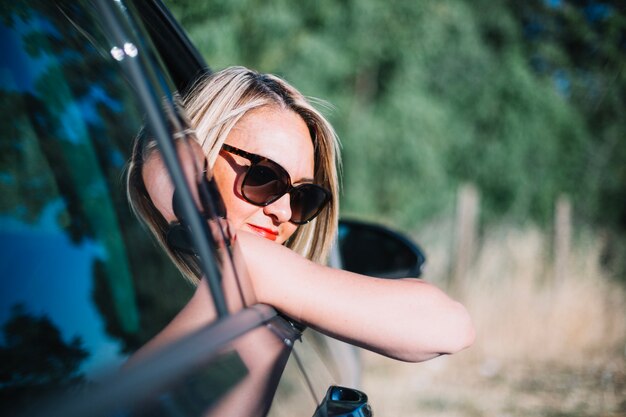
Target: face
(282,136)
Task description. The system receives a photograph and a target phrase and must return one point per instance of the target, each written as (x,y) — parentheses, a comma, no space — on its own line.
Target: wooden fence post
(466,224)
(562,237)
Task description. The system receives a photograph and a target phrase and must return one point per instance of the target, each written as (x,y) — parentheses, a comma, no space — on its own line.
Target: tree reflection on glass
(68,120)
(36,360)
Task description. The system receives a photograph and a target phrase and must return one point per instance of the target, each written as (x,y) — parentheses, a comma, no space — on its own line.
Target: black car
(83,284)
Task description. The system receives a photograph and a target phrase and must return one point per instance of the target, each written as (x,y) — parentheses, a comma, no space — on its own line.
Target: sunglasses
(265,182)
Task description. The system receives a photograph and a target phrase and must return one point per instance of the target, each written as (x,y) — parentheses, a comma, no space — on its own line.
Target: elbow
(463,334)
(456,332)
(449,333)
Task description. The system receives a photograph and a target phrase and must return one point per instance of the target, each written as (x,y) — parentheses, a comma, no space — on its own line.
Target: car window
(82,283)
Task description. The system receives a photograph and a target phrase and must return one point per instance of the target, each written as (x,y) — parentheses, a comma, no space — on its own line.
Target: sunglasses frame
(257,159)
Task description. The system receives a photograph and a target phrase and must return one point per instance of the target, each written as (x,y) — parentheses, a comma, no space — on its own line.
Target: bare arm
(406,319)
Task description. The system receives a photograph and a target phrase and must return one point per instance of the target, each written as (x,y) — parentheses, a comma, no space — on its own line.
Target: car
(84,286)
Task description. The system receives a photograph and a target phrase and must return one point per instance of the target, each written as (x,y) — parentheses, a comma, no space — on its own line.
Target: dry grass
(543,348)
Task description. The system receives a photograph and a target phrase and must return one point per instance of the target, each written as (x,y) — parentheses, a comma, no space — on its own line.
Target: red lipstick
(263,232)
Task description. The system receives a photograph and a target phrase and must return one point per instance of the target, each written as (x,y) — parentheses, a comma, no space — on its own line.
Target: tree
(523,98)
(35,360)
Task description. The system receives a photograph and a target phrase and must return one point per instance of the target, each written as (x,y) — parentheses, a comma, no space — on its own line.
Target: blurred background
(492,133)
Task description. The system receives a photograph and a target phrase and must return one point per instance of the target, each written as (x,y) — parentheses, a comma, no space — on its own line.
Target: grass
(543,347)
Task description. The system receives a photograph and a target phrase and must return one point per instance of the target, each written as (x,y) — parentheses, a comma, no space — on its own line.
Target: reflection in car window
(82,284)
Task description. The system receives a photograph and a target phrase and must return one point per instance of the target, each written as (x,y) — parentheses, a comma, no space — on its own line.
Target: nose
(280,209)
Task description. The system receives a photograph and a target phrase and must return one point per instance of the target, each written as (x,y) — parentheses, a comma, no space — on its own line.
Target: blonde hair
(214,105)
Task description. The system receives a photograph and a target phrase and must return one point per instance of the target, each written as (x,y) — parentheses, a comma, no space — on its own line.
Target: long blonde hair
(214,105)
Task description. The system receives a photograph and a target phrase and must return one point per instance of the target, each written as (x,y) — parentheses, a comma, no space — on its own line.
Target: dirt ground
(459,386)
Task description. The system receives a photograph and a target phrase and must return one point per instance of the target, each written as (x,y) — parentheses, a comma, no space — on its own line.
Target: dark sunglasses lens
(307,201)
(264,184)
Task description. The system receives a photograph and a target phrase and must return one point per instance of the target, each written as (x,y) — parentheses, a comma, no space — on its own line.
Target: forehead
(278,134)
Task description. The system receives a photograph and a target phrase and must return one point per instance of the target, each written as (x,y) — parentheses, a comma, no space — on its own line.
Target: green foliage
(430,94)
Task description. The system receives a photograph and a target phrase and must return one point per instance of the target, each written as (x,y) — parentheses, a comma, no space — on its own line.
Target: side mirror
(374,250)
(343,402)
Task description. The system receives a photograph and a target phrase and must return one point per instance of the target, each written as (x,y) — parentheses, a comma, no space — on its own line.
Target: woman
(249,126)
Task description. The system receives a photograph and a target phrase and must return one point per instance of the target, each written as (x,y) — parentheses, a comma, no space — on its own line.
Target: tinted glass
(315,364)
(82,283)
(198,376)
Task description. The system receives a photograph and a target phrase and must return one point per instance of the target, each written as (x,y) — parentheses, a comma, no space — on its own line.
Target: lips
(263,232)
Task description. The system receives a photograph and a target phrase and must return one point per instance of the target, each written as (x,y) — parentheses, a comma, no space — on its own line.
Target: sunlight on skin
(423,323)
(283,137)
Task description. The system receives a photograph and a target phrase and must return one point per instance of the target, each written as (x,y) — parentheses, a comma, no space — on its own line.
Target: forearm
(405,319)
(409,320)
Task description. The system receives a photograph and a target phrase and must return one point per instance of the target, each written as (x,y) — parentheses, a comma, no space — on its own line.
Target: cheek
(288,229)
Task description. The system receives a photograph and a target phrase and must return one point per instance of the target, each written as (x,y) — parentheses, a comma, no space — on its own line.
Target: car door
(83,284)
